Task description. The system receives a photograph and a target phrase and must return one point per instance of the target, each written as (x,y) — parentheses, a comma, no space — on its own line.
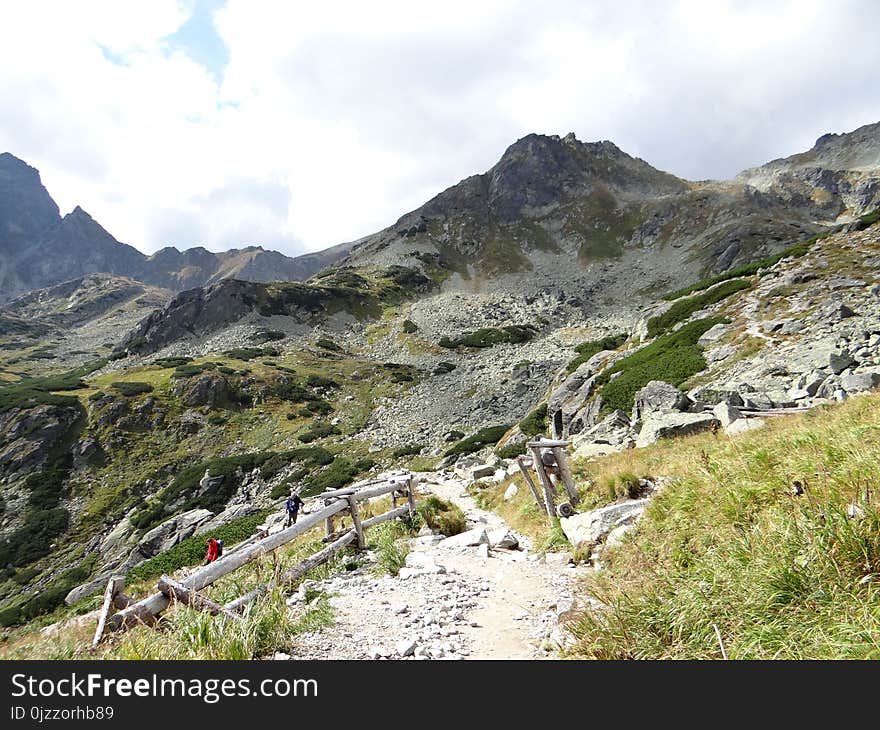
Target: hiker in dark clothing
(292,506)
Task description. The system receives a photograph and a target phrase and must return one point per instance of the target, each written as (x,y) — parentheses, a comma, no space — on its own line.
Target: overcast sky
(299,125)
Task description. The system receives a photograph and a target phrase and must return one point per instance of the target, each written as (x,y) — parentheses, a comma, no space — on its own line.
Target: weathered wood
(385,516)
(546,444)
(531,483)
(565,473)
(180,593)
(145,611)
(356,521)
(545,481)
(295,573)
(411,497)
(114,585)
(120,601)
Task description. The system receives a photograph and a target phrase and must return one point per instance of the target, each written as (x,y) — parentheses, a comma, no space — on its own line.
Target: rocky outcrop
(28,435)
(658,397)
(592,527)
(670,425)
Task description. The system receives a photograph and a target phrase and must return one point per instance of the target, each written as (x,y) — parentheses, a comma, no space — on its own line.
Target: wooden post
(410,497)
(531,483)
(565,473)
(545,481)
(295,573)
(114,585)
(179,592)
(356,521)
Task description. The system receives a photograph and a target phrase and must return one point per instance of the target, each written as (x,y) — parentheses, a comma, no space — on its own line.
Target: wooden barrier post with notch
(356,521)
(565,473)
(531,483)
(538,464)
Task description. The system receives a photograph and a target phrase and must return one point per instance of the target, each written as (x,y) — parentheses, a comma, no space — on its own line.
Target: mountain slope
(39,248)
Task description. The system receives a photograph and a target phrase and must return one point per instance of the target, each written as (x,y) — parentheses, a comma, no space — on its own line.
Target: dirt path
(456,602)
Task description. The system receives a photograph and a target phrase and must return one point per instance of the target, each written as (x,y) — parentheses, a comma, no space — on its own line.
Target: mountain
(39,248)
(553,206)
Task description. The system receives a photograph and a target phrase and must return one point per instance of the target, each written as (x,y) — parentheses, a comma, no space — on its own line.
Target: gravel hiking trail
(452,601)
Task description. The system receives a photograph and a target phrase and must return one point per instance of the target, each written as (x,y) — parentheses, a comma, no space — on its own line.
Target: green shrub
(50,597)
(391,548)
(409,326)
(325,343)
(191,551)
(491,336)
(171,362)
(131,389)
(484,437)
(684,308)
(535,422)
(191,369)
(794,251)
(319,381)
(335,476)
(318,407)
(263,336)
(247,353)
(33,539)
(586,350)
(408,450)
(511,451)
(441,368)
(673,358)
(317,431)
(443,516)
(30,392)
(868,220)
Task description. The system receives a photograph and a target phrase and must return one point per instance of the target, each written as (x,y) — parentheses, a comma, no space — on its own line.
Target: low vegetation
(491,336)
(484,437)
(764,546)
(586,350)
(536,422)
(31,392)
(445,517)
(684,308)
(795,251)
(672,358)
(191,551)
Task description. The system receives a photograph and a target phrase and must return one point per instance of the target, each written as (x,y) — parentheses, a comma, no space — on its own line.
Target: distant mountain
(39,248)
(571,204)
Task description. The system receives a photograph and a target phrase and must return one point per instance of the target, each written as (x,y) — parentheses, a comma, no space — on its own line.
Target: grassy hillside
(731,545)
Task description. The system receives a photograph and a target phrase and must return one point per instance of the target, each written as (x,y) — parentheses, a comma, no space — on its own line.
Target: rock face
(27,436)
(166,535)
(658,397)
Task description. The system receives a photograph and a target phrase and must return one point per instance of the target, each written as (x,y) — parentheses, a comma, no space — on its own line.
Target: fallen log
(178,592)
(296,573)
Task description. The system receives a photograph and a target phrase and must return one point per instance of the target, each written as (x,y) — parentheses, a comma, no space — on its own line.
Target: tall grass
(728,555)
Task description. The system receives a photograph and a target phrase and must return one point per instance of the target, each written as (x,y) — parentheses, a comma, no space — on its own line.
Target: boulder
(482,472)
(712,334)
(510,492)
(166,535)
(658,397)
(743,425)
(503,538)
(674,424)
(726,414)
(594,526)
(477,536)
(209,389)
(569,387)
(860,382)
(840,361)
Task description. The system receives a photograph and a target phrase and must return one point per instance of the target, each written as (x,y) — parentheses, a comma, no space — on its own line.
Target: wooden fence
(549,475)
(336,503)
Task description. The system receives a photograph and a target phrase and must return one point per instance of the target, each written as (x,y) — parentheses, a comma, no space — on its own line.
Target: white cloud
(331,120)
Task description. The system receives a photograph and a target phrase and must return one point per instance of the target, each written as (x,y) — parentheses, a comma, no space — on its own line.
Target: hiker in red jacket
(213,551)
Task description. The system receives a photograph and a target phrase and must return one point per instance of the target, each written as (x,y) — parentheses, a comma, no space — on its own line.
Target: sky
(300,125)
